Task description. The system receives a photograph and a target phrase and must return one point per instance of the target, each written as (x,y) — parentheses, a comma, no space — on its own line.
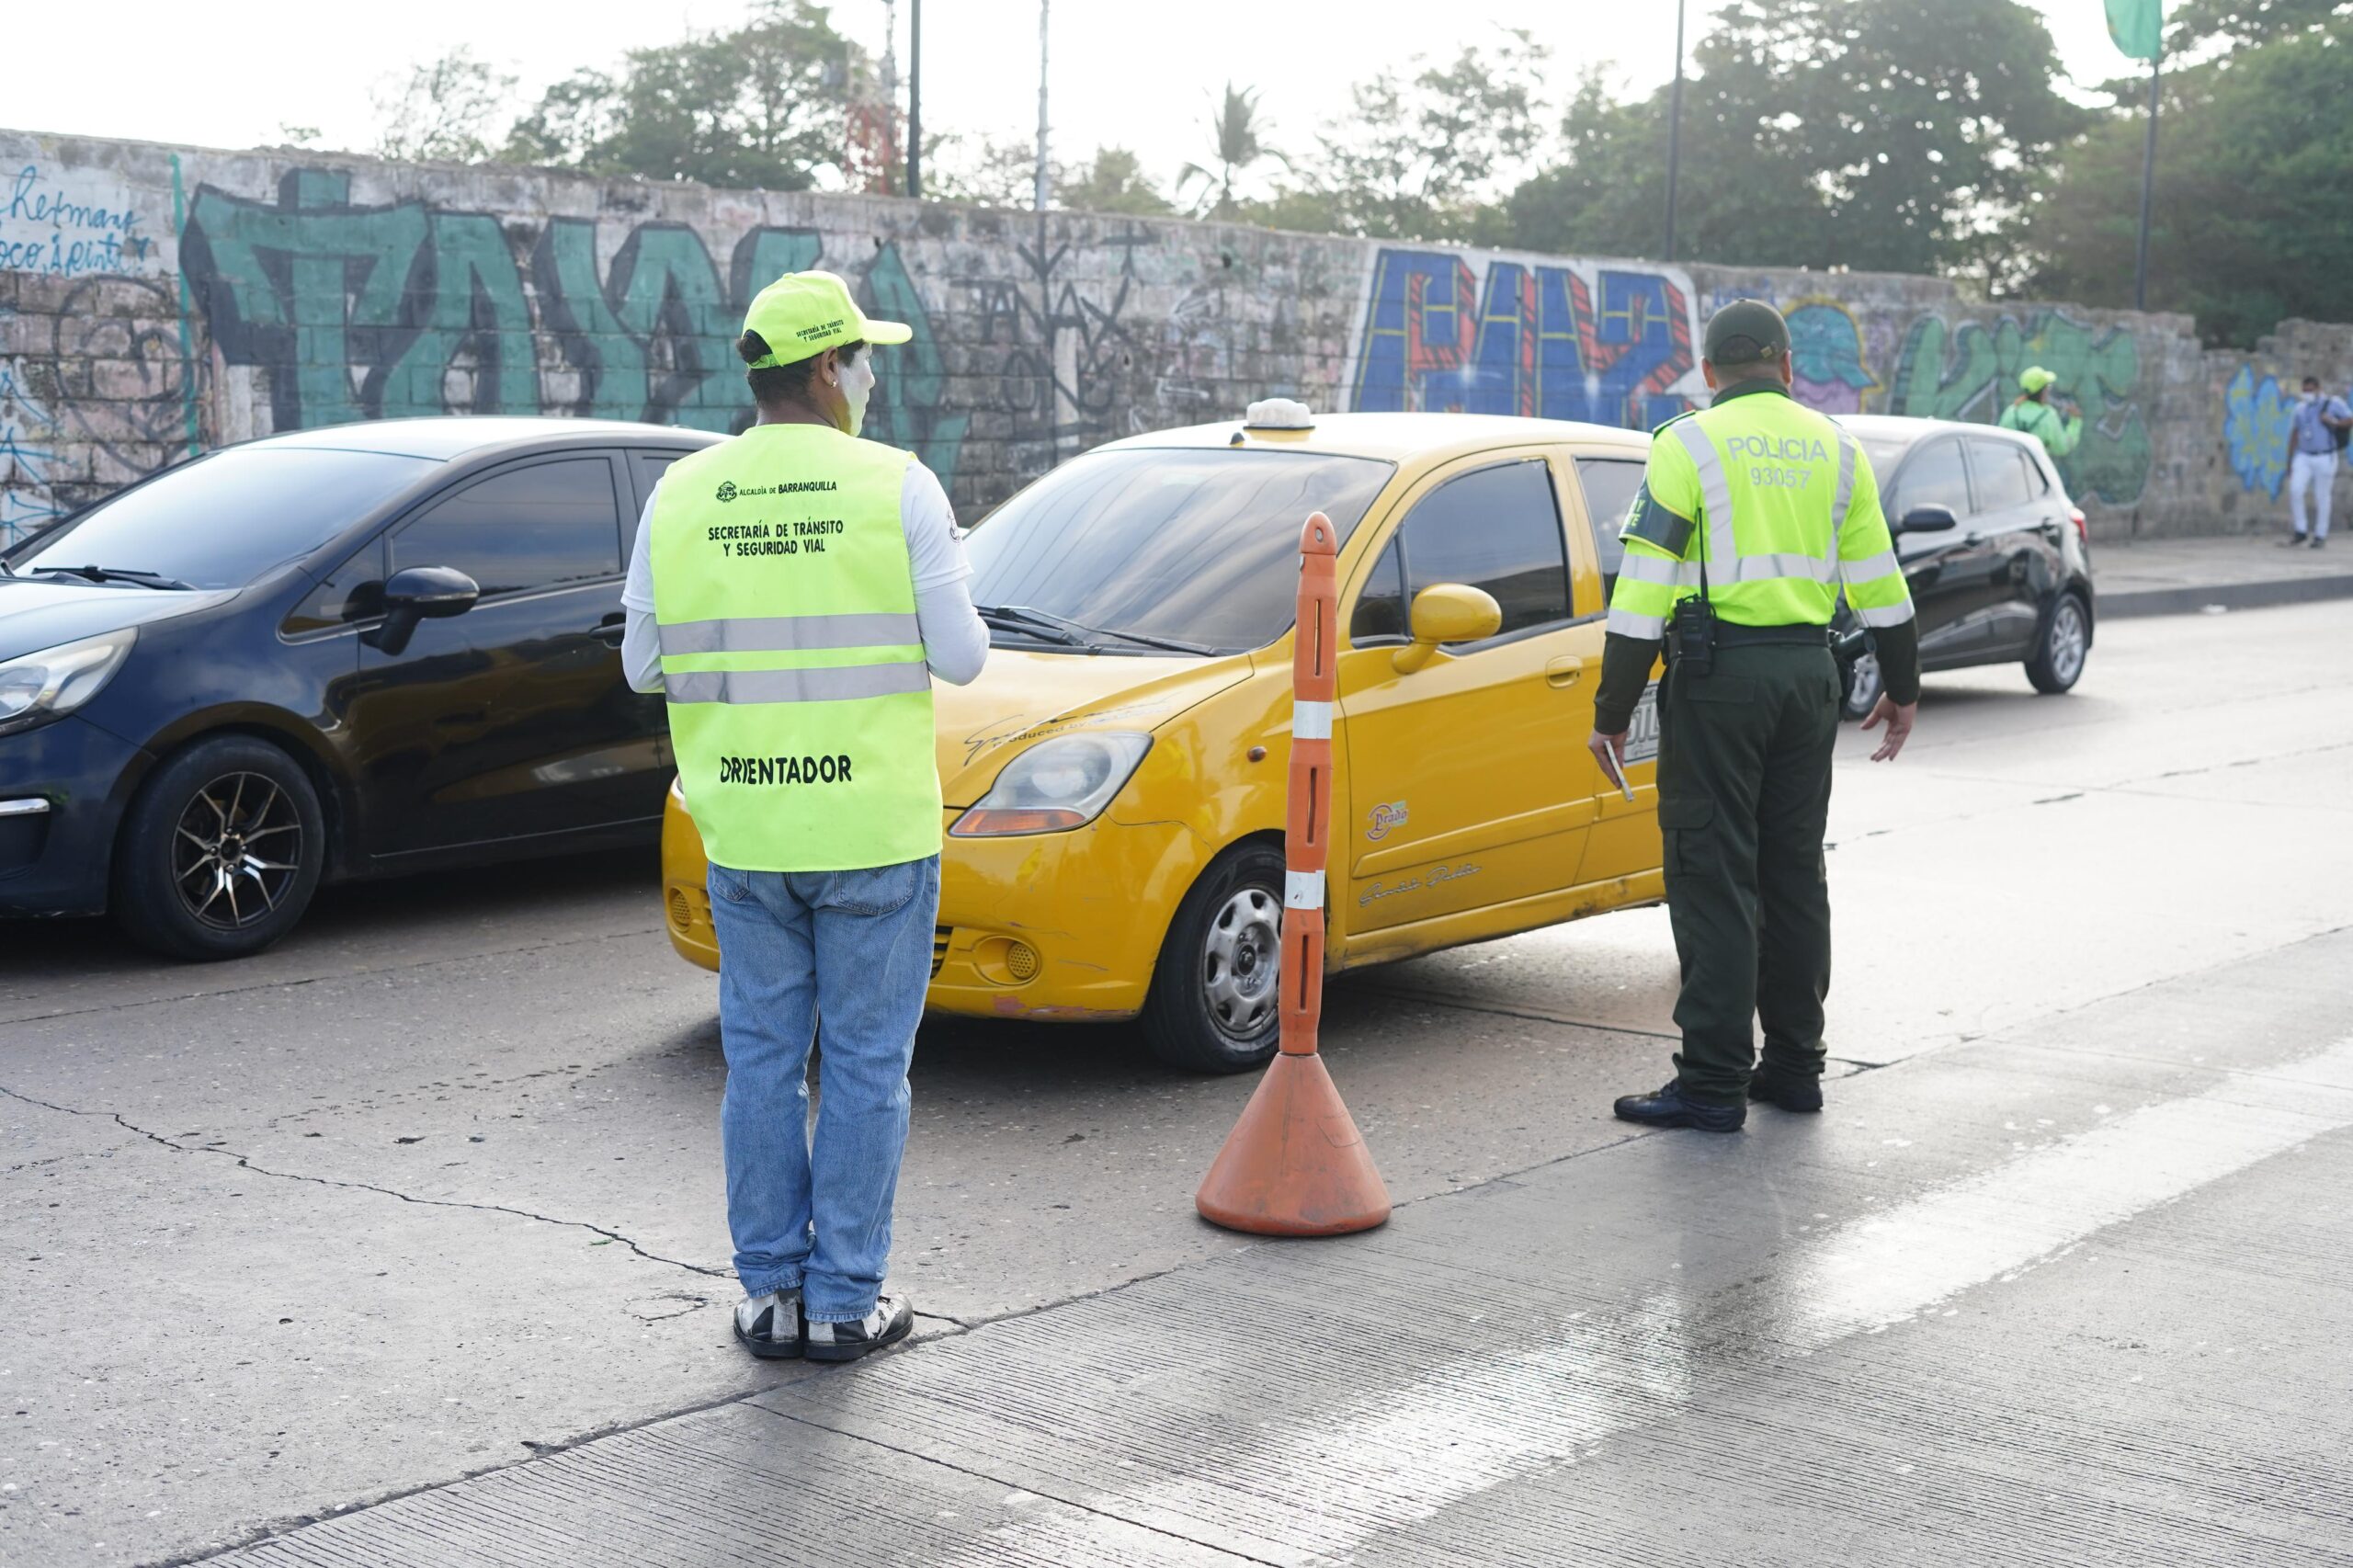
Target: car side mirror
(1448,612)
(416,594)
(1929,520)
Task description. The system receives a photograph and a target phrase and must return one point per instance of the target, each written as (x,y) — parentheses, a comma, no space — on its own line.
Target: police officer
(2032,412)
(1751,516)
(787,592)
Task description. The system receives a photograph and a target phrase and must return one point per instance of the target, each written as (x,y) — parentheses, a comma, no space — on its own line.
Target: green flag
(2138,26)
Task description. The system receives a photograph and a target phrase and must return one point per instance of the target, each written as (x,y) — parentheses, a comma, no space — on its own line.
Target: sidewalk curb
(2232,596)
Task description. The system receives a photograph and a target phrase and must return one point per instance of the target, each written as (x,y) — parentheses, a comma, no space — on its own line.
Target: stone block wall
(156,301)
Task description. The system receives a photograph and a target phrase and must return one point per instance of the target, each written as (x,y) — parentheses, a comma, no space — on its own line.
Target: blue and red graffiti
(1609,346)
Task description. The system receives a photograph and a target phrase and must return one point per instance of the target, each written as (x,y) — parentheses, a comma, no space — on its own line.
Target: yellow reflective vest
(1778,502)
(792,659)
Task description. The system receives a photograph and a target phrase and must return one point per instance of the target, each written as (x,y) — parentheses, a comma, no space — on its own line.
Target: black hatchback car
(1995,553)
(323,655)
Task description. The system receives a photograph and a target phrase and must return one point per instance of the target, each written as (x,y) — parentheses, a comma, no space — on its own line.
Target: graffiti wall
(156,303)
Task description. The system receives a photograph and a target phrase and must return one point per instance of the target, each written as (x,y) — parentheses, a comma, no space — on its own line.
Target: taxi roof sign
(1278,414)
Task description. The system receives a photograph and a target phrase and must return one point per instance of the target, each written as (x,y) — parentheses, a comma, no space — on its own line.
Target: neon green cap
(2033,379)
(804,313)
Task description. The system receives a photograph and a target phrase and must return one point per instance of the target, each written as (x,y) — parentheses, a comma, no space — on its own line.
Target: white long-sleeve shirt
(955,643)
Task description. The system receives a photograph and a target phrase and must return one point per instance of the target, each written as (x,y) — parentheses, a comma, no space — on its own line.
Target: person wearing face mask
(791,593)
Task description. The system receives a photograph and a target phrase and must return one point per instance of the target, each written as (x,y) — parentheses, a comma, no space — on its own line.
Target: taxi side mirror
(1449,612)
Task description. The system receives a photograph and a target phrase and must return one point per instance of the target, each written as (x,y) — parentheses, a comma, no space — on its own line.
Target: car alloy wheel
(2070,640)
(1242,961)
(236,851)
(1864,694)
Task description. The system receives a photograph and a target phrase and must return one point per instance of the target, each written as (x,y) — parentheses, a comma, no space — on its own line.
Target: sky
(1140,74)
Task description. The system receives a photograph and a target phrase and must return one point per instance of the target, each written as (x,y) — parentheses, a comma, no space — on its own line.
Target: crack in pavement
(245,1164)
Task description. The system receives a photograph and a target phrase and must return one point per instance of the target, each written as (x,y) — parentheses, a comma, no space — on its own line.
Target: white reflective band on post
(1648,628)
(1891,615)
(1715,489)
(1311,720)
(789,633)
(838,683)
(1846,495)
(1871,568)
(1302,890)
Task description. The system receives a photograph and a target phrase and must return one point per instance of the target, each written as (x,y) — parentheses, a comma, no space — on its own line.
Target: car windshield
(1886,452)
(224,520)
(1179,544)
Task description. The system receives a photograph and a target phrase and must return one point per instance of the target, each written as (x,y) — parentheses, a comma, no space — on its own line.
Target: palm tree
(1236,131)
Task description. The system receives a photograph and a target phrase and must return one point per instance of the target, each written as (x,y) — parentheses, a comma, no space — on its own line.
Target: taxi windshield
(1186,546)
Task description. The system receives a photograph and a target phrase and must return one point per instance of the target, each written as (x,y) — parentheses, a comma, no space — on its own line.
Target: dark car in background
(1995,553)
(325,655)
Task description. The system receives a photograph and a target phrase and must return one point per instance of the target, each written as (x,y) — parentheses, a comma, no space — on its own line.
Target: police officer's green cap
(1746,331)
(804,313)
(2033,379)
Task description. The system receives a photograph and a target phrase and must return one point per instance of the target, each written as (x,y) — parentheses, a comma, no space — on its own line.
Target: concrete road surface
(412,1228)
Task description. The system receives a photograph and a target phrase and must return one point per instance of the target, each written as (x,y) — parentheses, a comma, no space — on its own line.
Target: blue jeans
(842,957)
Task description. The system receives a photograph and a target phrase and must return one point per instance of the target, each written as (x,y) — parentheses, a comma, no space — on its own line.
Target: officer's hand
(1611,752)
(1898,718)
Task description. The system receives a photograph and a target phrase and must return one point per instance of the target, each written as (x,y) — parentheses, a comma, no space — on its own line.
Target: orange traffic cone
(1294,1164)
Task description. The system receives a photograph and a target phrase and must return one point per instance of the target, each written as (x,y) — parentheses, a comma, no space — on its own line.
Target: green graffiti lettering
(914,380)
(470,299)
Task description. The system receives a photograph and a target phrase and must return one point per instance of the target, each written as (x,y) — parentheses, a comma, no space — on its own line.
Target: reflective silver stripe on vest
(1846,495)
(1776,568)
(1648,628)
(840,683)
(1871,568)
(1886,615)
(1715,488)
(1650,568)
(789,633)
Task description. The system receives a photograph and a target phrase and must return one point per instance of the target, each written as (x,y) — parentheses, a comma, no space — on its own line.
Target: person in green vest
(791,593)
(1754,515)
(2032,412)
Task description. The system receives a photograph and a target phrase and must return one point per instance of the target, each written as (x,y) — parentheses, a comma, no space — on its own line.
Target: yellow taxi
(1115,778)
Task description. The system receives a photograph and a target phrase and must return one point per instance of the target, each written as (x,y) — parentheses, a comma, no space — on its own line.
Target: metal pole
(915,101)
(1042,183)
(2148,188)
(1675,129)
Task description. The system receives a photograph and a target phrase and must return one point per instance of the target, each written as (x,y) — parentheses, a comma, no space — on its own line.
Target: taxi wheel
(1215,993)
(219,853)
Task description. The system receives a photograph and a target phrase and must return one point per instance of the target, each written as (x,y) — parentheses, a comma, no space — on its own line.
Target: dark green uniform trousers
(1744,780)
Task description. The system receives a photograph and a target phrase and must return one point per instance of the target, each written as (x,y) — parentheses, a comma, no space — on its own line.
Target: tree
(1884,134)
(2250,21)
(2254,203)
(1237,138)
(986,171)
(444,110)
(762,105)
(1113,182)
(1416,158)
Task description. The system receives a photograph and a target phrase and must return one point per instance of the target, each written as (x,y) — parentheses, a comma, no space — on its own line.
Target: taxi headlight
(51,683)
(1056,785)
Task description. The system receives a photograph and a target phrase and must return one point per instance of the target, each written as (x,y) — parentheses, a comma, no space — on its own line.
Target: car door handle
(1564,672)
(611,630)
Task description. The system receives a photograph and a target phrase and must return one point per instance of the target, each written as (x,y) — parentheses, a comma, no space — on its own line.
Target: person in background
(2314,436)
(791,594)
(2032,412)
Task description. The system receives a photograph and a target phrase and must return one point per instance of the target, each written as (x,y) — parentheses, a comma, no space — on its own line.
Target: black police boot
(1668,1108)
(1791,1091)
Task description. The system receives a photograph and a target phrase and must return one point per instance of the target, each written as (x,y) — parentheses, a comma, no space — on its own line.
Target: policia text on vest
(1754,518)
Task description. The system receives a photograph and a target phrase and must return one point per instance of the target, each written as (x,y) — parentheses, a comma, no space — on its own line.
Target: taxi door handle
(1564,672)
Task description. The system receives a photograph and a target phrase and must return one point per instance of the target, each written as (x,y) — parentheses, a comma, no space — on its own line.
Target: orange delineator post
(1294,1164)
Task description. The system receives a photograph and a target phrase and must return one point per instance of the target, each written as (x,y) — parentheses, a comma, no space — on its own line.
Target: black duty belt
(1730,636)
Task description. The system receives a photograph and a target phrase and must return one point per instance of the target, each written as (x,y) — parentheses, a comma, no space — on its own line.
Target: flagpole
(2148,184)
(1675,129)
